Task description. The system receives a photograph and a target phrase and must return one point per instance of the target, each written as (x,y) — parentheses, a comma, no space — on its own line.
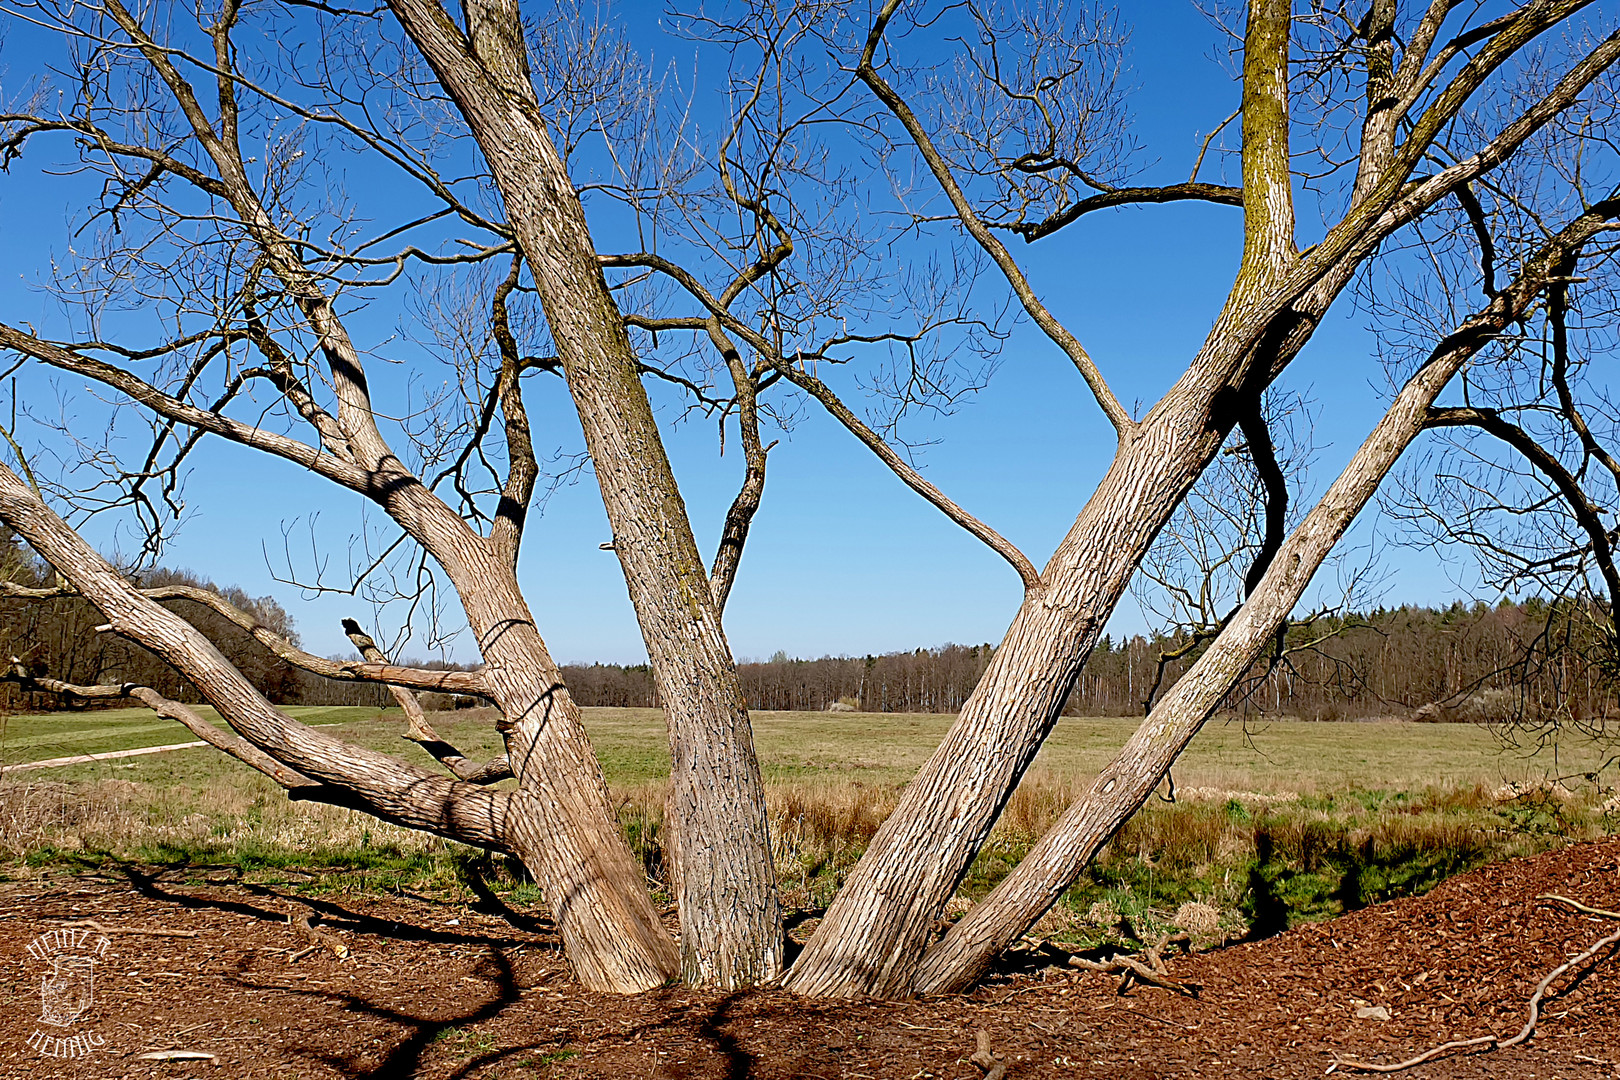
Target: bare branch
(1191,191)
(976,228)
(912,479)
(1492,422)
(419,731)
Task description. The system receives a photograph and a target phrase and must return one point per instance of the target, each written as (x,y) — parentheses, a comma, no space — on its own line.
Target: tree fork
(726,888)
(1044,874)
(872,937)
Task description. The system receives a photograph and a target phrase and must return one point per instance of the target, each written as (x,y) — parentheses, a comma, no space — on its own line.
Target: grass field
(1280,821)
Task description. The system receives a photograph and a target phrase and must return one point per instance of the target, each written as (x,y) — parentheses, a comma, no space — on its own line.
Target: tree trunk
(570,838)
(873,935)
(1043,875)
(559,822)
(730,919)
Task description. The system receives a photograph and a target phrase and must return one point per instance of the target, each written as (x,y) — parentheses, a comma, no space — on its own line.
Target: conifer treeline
(1456,663)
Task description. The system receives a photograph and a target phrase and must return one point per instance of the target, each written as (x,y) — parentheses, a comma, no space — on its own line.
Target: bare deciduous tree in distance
(1020,138)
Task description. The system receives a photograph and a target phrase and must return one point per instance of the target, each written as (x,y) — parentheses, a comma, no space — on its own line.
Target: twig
(993,1068)
(1131,969)
(300,917)
(103,928)
(1496,1042)
(1580,907)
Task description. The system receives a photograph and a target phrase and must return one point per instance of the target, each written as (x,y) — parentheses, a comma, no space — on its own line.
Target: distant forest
(1463,662)
(1458,663)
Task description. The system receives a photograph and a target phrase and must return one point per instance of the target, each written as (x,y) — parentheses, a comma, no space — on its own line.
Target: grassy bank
(1275,823)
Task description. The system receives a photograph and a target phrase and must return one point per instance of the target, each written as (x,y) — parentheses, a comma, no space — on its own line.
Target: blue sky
(842,557)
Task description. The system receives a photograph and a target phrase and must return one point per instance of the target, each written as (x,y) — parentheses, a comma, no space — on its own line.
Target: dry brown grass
(41,821)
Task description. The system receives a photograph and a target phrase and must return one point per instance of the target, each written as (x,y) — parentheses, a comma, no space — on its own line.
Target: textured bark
(872,937)
(1042,877)
(566,832)
(731,923)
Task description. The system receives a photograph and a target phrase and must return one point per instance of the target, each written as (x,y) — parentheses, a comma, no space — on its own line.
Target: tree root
(993,1067)
(1496,1042)
(1131,969)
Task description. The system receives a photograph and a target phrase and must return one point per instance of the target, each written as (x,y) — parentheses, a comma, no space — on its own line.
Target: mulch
(440,990)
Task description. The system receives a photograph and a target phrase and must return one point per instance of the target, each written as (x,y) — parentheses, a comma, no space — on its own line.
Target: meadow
(1270,823)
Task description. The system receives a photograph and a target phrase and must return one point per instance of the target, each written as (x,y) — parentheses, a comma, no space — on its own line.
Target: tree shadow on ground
(148,882)
(490,903)
(406,1056)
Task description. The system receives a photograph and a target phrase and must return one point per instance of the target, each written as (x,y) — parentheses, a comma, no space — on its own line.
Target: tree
(1020,130)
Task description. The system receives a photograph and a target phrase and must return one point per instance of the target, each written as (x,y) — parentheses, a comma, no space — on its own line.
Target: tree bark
(872,937)
(716,822)
(1043,875)
(567,836)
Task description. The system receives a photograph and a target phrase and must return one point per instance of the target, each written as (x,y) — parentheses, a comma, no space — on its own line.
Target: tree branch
(1586,514)
(728,556)
(912,479)
(419,731)
(449,682)
(143,393)
(982,235)
(1132,196)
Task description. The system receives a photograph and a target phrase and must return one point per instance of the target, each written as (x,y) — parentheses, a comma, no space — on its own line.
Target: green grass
(881,750)
(1282,822)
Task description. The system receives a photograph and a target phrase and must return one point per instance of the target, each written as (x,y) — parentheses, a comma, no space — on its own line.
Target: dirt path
(442,991)
(79,759)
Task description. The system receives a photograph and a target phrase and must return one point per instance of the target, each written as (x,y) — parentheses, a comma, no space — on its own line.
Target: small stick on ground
(1131,970)
(993,1067)
(144,931)
(1496,1042)
(1580,907)
(178,1055)
(300,919)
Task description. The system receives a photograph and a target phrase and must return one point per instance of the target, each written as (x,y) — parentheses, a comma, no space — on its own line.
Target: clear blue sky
(842,558)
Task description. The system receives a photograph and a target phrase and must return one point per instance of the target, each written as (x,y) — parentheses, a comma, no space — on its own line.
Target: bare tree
(749,278)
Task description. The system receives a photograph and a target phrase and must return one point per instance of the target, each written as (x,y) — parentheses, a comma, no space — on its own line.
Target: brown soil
(445,990)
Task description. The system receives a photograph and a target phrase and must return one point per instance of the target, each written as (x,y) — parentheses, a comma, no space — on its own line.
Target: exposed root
(1131,969)
(1496,1042)
(993,1067)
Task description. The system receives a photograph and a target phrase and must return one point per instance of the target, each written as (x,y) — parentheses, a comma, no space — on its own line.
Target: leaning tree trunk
(872,938)
(1043,875)
(568,835)
(873,934)
(559,823)
(730,919)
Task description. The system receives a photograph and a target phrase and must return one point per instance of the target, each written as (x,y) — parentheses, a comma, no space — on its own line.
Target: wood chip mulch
(442,990)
